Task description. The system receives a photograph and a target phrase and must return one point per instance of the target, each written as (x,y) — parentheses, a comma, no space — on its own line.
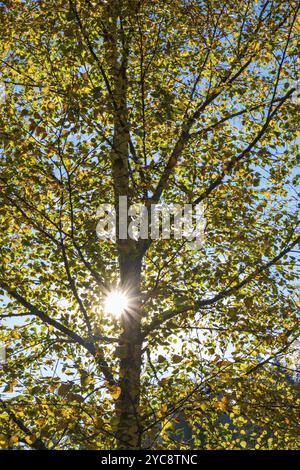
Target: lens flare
(116,303)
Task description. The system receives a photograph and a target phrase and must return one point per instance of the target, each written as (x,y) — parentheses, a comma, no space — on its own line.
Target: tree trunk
(130,354)
(117,42)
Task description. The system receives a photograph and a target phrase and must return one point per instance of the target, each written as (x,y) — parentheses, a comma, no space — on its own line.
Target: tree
(182,101)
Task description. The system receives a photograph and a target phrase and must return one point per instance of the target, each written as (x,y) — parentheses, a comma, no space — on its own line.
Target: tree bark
(130,353)
(117,41)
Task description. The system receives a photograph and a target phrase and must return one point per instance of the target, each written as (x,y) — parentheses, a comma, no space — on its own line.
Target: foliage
(174,101)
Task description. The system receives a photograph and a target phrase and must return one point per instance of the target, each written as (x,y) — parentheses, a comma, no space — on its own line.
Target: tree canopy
(181,101)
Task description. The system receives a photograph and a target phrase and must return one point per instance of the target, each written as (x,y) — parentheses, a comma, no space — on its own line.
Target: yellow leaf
(166,425)
(9,387)
(270,442)
(13,440)
(203,406)
(243,444)
(53,387)
(115,392)
(86,379)
(236,409)
(30,439)
(222,404)
(164,408)
(15,334)
(3,442)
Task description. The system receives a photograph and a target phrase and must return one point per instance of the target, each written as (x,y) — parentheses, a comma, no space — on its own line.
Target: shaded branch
(157,322)
(98,355)
(37,444)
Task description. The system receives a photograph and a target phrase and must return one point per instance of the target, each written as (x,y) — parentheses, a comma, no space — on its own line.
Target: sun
(116,303)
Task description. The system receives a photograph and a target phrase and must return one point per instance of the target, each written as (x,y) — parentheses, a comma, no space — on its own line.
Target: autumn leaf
(115,392)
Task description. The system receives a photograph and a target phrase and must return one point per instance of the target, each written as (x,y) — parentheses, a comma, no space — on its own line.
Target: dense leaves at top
(204,91)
